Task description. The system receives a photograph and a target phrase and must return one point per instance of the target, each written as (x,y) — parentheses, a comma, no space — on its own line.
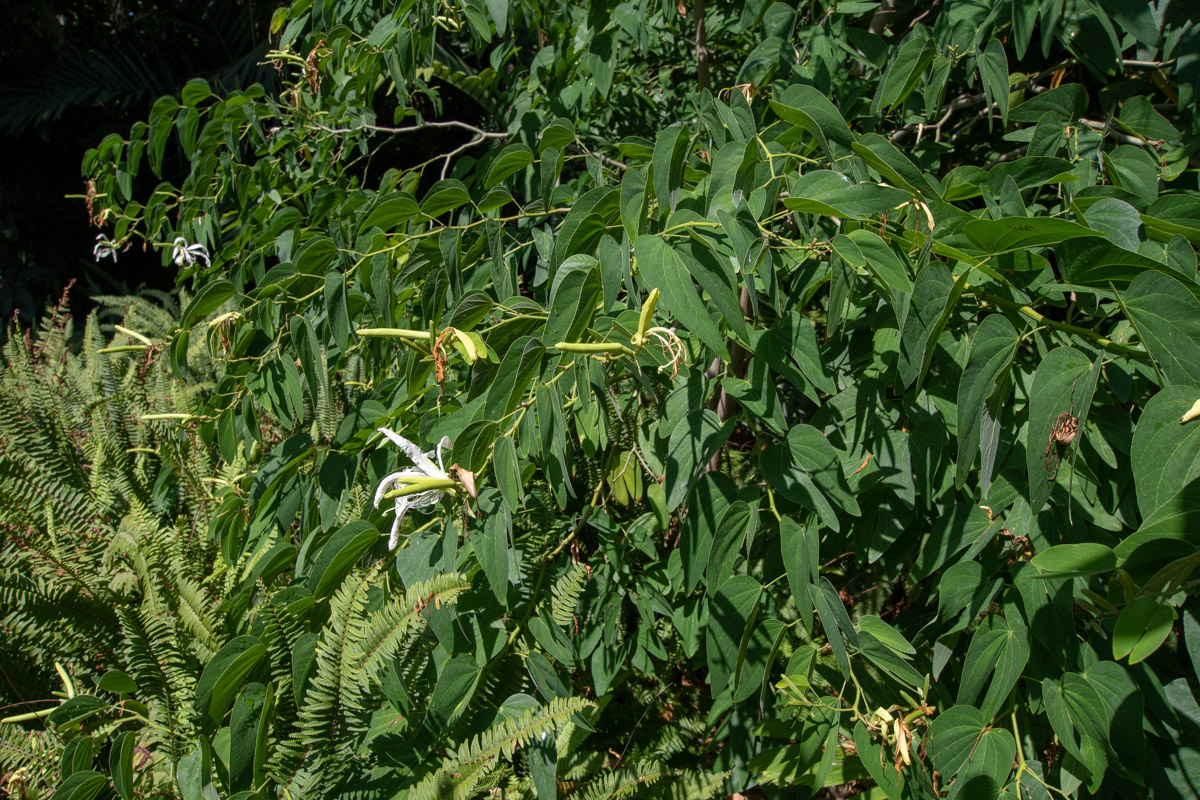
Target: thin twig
(452,123)
(1105,128)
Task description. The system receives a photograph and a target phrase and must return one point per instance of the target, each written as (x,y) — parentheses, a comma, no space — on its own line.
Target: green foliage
(831,427)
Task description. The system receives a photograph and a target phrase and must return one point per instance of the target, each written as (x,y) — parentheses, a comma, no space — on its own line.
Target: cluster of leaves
(831,428)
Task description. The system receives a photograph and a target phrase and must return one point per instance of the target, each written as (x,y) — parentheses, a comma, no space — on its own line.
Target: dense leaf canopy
(630,399)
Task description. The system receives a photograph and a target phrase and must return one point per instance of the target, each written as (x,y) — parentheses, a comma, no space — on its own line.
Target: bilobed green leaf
(334,561)
(1142,627)
(879,764)
(498,11)
(813,453)
(984,769)
(1096,261)
(1176,519)
(444,196)
(207,300)
(455,686)
(1165,454)
(493,544)
(791,349)
(1175,214)
(662,268)
(885,634)
(1116,218)
(193,774)
(1064,383)
(1078,716)
(888,659)
(895,167)
(801,546)
(993,72)
(933,292)
(520,366)
(836,623)
(995,659)
(508,472)
(1030,172)
(391,212)
(1132,169)
(120,764)
(693,441)
(1021,233)
(902,74)
(1072,560)
(1167,318)
(832,194)
(806,469)
(992,349)
(75,710)
(731,613)
(573,301)
(195,91)
(805,106)
(224,675)
(731,533)
(1066,103)
(315,255)
(670,154)
(249,722)
(473,445)
(83,785)
(335,309)
(965,525)
(512,159)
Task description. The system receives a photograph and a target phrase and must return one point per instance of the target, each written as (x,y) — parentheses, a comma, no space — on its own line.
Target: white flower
(104,248)
(423,468)
(186,254)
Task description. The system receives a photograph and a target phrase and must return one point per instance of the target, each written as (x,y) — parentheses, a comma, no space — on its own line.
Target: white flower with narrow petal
(184,254)
(423,467)
(104,248)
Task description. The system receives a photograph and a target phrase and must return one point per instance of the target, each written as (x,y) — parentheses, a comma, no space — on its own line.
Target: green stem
(1100,341)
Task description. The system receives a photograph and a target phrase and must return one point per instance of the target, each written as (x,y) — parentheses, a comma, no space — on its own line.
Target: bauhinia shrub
(630,400)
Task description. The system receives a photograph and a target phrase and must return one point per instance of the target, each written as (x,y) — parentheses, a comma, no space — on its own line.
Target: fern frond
(565,594)
(625,782)
(462,774)
(689,785)
(391,625)
(165,679)
(332,713)
(33,755)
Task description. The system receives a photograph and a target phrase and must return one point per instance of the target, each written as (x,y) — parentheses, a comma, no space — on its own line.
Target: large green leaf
(1063,384)
(966,748)
(995,659)
(1167,318)
(731,615)
(224,676)
(806,469)
(1177,518)
(1142,627)
(833,194)
(663,269)
(670,153)
(1165,455)
(1093,261)
(1022,233)
(992,350)
(694,440)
